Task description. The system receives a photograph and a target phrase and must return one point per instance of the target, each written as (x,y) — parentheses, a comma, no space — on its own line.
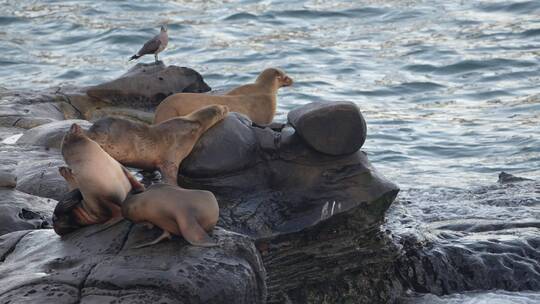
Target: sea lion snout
(286,81)
(75,129)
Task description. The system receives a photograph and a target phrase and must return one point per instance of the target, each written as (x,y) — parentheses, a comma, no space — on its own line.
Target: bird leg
(156,57)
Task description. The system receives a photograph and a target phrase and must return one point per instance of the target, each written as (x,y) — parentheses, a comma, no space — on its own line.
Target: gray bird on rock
(154,45)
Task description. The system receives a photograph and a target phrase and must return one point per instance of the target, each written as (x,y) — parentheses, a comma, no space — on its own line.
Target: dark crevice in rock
(12,248)
(81,286)
(16,121)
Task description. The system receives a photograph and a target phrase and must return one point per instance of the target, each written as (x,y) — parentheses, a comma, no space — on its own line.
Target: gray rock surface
(484,238)
(336,128)
(40,267)
(21,211)
(134,95)
(50,135)
(145,85)
(7,180)
(315,217)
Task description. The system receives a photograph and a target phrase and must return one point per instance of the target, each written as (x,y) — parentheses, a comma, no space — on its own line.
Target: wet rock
(50,135)
(28,110)
(41,177)
(145,85)
(35,168)
(315,217)
(7,180)
(484,238)
(21,211)
(134,95)
(509,178)
(336,128)
(102,268)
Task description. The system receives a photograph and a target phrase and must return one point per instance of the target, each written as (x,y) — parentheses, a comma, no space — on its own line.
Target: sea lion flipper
(136,186)
(108,224)
(67,174)
(163,236)
(169,172)
(193,232)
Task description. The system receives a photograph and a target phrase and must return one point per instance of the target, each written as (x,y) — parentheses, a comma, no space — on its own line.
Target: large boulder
(134,95)
(321,211)
(146,85)
(50,135)
(40,267)
(336,128)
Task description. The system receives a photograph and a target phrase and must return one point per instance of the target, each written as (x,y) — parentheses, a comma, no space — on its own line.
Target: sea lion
(178,211)
(102,181)
(162,146)
(256,100)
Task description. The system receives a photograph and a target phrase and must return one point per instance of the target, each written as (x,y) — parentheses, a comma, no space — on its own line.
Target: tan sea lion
(178,211)
(162,146)
(102,181)
(256,100)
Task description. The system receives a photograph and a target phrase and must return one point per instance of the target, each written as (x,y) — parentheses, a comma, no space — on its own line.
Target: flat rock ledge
(40,267)
(134,95)
(299,223)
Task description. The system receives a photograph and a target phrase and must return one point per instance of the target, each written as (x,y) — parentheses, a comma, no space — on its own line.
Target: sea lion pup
(103,184)
(161,146)
(178,211)
(256,100)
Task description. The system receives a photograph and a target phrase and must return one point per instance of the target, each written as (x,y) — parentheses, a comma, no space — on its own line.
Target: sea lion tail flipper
(108,224)
(136,186)
(193,232)
(163,236)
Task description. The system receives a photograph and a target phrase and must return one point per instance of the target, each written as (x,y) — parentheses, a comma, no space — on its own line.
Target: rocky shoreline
(294,202)
(304,216)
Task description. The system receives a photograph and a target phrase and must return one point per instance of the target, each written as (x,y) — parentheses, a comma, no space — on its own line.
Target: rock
(20,211)
(133,95)
(28,110)
(238,147)
(146,85)
(39,266)
(505,178)
(50,135)
(481,238)
(336,128)
(41,177)
(315,217)
(36,170)
(7,180)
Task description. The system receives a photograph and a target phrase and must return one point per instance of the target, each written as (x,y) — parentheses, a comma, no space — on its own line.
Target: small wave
(468,65)
(525,7)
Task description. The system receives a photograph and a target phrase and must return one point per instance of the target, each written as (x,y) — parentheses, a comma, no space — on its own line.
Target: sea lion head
(277,76)
(74,134)
(65,218)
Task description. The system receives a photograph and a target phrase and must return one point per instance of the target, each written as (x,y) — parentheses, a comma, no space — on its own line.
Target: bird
(154,45)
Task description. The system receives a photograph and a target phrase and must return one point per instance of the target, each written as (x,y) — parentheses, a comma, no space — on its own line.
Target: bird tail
(134,57)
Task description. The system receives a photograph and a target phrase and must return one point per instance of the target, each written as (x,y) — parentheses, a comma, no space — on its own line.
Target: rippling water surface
(450,89)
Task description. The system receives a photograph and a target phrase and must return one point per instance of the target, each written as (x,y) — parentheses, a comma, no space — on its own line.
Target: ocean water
(450,89)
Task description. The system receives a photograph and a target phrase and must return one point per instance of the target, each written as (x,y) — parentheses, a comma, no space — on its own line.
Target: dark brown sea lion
(256,100)
(178,211)
(102,181)
(161,146)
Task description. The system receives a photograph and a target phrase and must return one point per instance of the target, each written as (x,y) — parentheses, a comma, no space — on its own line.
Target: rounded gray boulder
(336,128)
